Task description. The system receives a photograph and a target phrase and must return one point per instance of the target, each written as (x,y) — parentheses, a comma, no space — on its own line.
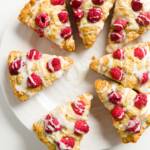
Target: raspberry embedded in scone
(30,72)
(62,128)
(49,18)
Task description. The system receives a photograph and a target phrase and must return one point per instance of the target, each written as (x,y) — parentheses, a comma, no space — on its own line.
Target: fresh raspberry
(143,19)
(136,5)
(94,15)
(63,16)
(145,78)
(118,54)
(57,2)
(78,14)
(81,127)
(115,97)
(51,124)
(117,37)
(66,33)
(140,53)
(140,100)
(34,81)
(34,54)
(134,126)
(118,112)
(98,2)
(78,107)
(42,20)
(76,3)
(40,32)
(54,65)
(119,24)
(116,73)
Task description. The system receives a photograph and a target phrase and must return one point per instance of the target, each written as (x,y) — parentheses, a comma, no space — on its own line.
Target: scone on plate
(130,20)
(129,109)
(64,127)
(49,18)
(90,16)
(130,66)
(30,72)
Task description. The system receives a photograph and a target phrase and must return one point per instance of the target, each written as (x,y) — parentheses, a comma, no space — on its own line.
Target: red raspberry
(145,78)
(40,32)
(66,33)
(117,37)
(42,20)
(15,67)
(78,14)
(140,100)
(98,2)
(143,19)
(116,73)
(119,24)
(63,16)
(118,54)
(34,81)
(134,126)
(81,127)
(54,65)
(51,124)
(34,54)
(115,97)
(118,112)
(140,53)
(136,5)
(94,15)
(57,2)
(78,107)
(76,3)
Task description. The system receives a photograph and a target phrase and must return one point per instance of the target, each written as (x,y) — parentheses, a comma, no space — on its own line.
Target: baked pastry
(49,18)
(130,66)
(31,72)
(90,16)
(64,127)
(130,20)
(129,109)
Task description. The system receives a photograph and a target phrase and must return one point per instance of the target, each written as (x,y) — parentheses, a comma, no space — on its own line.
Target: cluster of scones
(126,95)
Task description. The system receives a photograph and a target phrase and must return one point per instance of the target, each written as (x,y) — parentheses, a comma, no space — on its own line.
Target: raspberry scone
(49,18)
(65,126)
(31,72)
(129,109)
(131,19)
(90,16)
(130,66)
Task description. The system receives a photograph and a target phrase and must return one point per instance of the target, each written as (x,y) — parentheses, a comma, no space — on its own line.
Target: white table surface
(13,135)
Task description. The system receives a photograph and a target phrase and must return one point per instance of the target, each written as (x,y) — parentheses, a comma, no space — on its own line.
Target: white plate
(77,81)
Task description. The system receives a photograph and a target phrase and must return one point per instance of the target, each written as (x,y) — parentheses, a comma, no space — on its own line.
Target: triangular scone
(130,110)
(65,126)
(131,18)
(130,66)
(31,72)
(49,18)
(90,16)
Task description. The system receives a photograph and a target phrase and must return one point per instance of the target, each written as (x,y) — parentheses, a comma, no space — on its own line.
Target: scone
(65,126)
(129,109)
(30,72)
(49,18)
(130,66)
(90,16)
(131,19)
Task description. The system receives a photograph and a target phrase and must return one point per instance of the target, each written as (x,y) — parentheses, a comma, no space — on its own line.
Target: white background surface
(13,135)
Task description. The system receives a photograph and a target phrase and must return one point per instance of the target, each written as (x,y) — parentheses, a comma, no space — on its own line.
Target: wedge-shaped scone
(31,72)
(65,126)
(131,18)
(130,110)
(130,66)
(49,18)
(90,16)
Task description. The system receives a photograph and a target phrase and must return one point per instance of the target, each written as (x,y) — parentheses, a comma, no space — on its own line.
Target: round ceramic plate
(77,80)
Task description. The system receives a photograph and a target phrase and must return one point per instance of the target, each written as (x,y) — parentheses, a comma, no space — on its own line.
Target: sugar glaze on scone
(32,71)
(49,18)
(130,110)
(65,126)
